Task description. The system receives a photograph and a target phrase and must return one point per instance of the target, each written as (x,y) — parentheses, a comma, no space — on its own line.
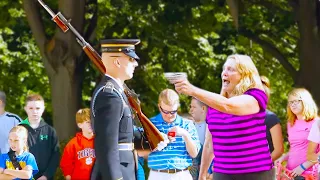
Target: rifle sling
(14,161)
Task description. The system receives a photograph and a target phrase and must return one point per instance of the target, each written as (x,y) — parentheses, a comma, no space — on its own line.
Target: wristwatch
(319,159)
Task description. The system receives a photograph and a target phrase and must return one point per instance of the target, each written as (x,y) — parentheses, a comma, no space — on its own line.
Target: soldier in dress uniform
(111,115)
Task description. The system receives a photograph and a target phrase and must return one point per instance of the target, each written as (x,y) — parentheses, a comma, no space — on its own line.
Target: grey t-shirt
(201,129)
(7,122)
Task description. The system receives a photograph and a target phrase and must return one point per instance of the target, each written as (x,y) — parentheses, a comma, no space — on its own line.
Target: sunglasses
(130,58)
(168,112)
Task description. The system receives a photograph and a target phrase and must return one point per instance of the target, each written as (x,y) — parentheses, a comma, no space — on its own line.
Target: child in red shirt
(79,156)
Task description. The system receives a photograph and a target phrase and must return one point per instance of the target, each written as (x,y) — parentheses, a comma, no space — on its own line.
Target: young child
(79,155)
(42,140)
(18,156)
(302,112)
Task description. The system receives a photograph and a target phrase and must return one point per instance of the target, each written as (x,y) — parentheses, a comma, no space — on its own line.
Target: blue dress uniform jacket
(113,124)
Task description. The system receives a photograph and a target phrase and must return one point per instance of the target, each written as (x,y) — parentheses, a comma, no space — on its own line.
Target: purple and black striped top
(239,142)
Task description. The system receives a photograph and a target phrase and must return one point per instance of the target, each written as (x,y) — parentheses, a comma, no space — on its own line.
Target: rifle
(152,133)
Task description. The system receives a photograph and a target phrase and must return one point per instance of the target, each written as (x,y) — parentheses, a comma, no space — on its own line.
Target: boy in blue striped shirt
(174,160)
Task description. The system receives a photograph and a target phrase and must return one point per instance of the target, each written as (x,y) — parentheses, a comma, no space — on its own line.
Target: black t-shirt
(271,120)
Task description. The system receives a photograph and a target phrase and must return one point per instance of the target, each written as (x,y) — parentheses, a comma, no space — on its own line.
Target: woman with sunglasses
(235,117)
(301,112)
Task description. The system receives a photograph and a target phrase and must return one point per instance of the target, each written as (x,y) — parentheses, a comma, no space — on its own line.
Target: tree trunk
(65,102)
(309,48)
(310,71)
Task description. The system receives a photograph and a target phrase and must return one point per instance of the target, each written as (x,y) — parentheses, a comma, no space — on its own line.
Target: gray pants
(265,175)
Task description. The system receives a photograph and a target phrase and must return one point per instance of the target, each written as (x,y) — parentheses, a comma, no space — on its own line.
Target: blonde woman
(18,163)
(301,112)
(235,117)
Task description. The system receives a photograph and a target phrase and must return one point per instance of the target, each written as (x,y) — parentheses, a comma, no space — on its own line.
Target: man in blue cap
(111,115)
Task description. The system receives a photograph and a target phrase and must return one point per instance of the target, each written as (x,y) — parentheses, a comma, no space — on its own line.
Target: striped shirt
(175,155)
(7,122)
(239,142)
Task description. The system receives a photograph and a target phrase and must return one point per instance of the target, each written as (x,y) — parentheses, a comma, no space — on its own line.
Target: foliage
(22,71)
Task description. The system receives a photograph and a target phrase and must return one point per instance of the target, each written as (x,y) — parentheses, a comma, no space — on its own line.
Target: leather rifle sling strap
(14,161)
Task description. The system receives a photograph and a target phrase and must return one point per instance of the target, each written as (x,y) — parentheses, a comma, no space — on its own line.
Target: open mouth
(225,82)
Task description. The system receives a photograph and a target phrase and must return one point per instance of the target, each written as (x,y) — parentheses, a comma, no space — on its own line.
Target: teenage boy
(78,155)
(42,138)
(198,111)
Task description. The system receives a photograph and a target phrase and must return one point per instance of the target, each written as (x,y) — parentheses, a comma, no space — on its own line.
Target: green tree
(20,64)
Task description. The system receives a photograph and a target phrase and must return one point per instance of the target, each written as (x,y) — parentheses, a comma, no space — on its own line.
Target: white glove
(162,144)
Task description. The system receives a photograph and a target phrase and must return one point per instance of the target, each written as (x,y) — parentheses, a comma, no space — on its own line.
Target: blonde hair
(310,109)
(266,85)
(83,115)
(249,75)
(23,133)
(169,97)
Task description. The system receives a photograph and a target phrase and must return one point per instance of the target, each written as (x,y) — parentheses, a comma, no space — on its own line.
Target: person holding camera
(174,160)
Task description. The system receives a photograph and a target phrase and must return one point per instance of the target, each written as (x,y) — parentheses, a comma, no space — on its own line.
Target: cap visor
(133,55)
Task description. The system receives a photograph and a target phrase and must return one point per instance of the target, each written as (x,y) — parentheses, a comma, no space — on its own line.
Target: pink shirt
(314,135)
(298,139)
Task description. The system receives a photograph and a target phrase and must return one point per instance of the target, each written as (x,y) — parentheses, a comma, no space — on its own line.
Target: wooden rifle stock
(152,133)
(95,58)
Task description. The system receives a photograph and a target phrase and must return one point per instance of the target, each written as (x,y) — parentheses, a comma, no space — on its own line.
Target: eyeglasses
(168,112)
(294,102)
